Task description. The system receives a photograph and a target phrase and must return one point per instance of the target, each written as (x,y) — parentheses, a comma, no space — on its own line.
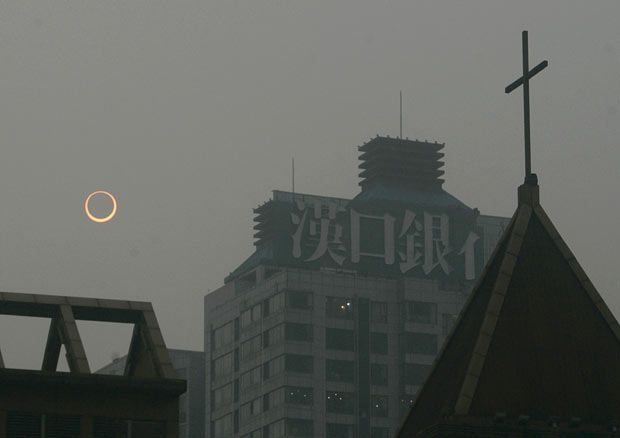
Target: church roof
(535,338)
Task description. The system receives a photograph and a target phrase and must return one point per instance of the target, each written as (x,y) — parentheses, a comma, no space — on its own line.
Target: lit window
(337,307)
(379,405)
(339,402)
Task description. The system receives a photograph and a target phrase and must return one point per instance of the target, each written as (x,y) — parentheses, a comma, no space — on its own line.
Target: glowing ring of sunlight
(94,218)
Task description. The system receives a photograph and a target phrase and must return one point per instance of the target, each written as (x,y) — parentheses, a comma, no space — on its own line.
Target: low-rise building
(141,402)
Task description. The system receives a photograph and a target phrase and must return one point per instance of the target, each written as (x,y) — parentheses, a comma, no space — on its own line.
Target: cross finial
(525,81)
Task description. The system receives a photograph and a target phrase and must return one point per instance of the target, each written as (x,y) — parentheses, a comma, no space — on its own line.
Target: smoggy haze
(190,111)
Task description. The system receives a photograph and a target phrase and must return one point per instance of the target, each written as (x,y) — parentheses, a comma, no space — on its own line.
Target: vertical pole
(401,114)
(293,174)
(526,104)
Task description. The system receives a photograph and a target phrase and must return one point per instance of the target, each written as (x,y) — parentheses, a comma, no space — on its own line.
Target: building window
(297,299)
(339,402)
(273,368)
(421,312)
(222,366)
(339,370)
(24,424)
(223,426)
(421,343)
(273,399)
(299,332)
(250,378)
(336,430)
(379,432)
(379,343)
(298,428)
(378,374)
(252,408)
(406,403)
(299,395)
(378,311)
(251,347)
(447,322)
(336,307)
(275,430)
(254,434)
(250,316)
(339,339)
(273,336)
(223,335)
(415,374)
(274,304)
(222,396)
(379,405)
(299,363)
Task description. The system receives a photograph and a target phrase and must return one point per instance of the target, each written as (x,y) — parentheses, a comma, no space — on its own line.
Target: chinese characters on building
(413,241)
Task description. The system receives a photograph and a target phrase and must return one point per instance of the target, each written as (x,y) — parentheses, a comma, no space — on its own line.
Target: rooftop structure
(329,328)
(535,351)
(142,402)
(400,161)
(535,342)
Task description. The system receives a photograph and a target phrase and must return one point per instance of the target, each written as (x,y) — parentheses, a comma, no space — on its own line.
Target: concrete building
(141,402)
(331,326)
(189,366)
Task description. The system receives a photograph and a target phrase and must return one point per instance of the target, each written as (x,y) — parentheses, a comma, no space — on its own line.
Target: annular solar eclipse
(97,219)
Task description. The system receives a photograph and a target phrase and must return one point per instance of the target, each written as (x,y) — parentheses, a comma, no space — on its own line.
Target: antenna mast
(293,174)
(401,114)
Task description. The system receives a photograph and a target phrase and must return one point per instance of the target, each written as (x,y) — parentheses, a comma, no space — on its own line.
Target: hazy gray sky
(190,111)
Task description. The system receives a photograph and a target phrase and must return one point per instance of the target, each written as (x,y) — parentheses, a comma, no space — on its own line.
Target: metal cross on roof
(525,81)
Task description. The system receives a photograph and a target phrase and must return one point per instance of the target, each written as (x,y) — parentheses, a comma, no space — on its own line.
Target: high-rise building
(189,366)
(330,327)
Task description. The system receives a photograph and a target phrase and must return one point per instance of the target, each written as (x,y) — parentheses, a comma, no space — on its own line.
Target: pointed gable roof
(534,338)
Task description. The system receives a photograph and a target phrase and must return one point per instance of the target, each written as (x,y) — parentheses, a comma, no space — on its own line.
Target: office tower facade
(331,326)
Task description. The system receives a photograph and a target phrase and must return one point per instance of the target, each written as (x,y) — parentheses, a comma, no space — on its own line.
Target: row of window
(340,402)
(289,394)
(292,299)
(292,427)
(289,427)
(337,402)
(35,425)
(335,307)
(229,332)
(332,430)
(225,365)
(335,339)
(335,371)
(344,371)
(294,363)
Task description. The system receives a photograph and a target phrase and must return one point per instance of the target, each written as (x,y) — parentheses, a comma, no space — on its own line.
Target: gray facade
(330,327)
(190,366)
(317,353)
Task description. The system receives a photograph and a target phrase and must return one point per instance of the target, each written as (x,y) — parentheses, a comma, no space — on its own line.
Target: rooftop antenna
(293,174)
(401,114)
